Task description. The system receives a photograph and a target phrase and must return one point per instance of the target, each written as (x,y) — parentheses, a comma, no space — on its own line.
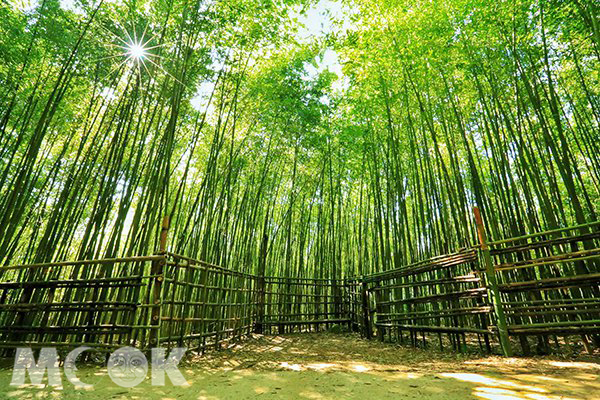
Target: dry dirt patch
(337,366)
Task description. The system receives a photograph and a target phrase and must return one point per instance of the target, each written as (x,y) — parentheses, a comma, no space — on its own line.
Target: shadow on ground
(333,366)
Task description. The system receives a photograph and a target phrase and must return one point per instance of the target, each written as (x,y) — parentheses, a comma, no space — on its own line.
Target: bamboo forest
(300,199)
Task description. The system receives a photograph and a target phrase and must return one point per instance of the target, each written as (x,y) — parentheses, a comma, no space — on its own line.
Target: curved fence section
(204,305)
(161,300)
(545,285)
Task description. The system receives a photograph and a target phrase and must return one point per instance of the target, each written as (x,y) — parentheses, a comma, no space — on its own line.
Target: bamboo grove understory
(189,172)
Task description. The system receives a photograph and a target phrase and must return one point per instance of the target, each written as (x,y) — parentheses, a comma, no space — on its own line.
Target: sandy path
(333,366)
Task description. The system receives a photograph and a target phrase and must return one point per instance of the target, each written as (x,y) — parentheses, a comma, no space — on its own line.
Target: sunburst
(137,53)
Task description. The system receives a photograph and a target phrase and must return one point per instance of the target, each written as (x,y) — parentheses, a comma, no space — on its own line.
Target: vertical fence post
(347,305)
(492,285)
(260,285)
(164,231)
(364,294)
(378,311)
(260,303)
(157,273)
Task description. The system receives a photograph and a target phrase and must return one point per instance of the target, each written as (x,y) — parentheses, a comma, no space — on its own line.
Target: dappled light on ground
(330,366)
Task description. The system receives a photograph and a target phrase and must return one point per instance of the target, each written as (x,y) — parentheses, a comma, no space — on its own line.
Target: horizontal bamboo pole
(552,283)
(305,322)
(12,344)
(292,294)
(51,308)
(553,306)
(84,262)
(549,301)
(558,259)
(511,313)
(210,304)
(293,302)
(201,303)
(310,314)
(58,329)
(455,280)
(544,233)
(556,324)
(477,292)
(427,328)
(439,313)
(198,264)
(68,282)
(179,319)
(549,243)
(319,285)
(202,335)
(230,289)
(566,330)
(68,304)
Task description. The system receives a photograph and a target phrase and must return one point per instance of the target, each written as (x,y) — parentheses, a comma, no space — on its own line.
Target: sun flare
(136,51)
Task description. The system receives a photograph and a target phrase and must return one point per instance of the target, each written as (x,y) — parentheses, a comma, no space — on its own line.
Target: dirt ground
(340,366)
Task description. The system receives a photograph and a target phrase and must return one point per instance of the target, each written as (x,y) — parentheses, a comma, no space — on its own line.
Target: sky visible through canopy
(323,138)
(313,23)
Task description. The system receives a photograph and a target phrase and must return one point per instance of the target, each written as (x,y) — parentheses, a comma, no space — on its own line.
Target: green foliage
(442,105)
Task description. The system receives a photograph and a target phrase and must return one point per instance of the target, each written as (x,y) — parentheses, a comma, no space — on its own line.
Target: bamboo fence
(442,295)
(303,304)
(167,300)
(549,283)
(100,303)
(544,285)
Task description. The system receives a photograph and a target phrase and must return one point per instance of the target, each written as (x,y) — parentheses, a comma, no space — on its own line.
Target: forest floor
(343,366)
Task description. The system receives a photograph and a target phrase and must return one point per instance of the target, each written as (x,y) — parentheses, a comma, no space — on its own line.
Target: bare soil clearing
(337,366)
